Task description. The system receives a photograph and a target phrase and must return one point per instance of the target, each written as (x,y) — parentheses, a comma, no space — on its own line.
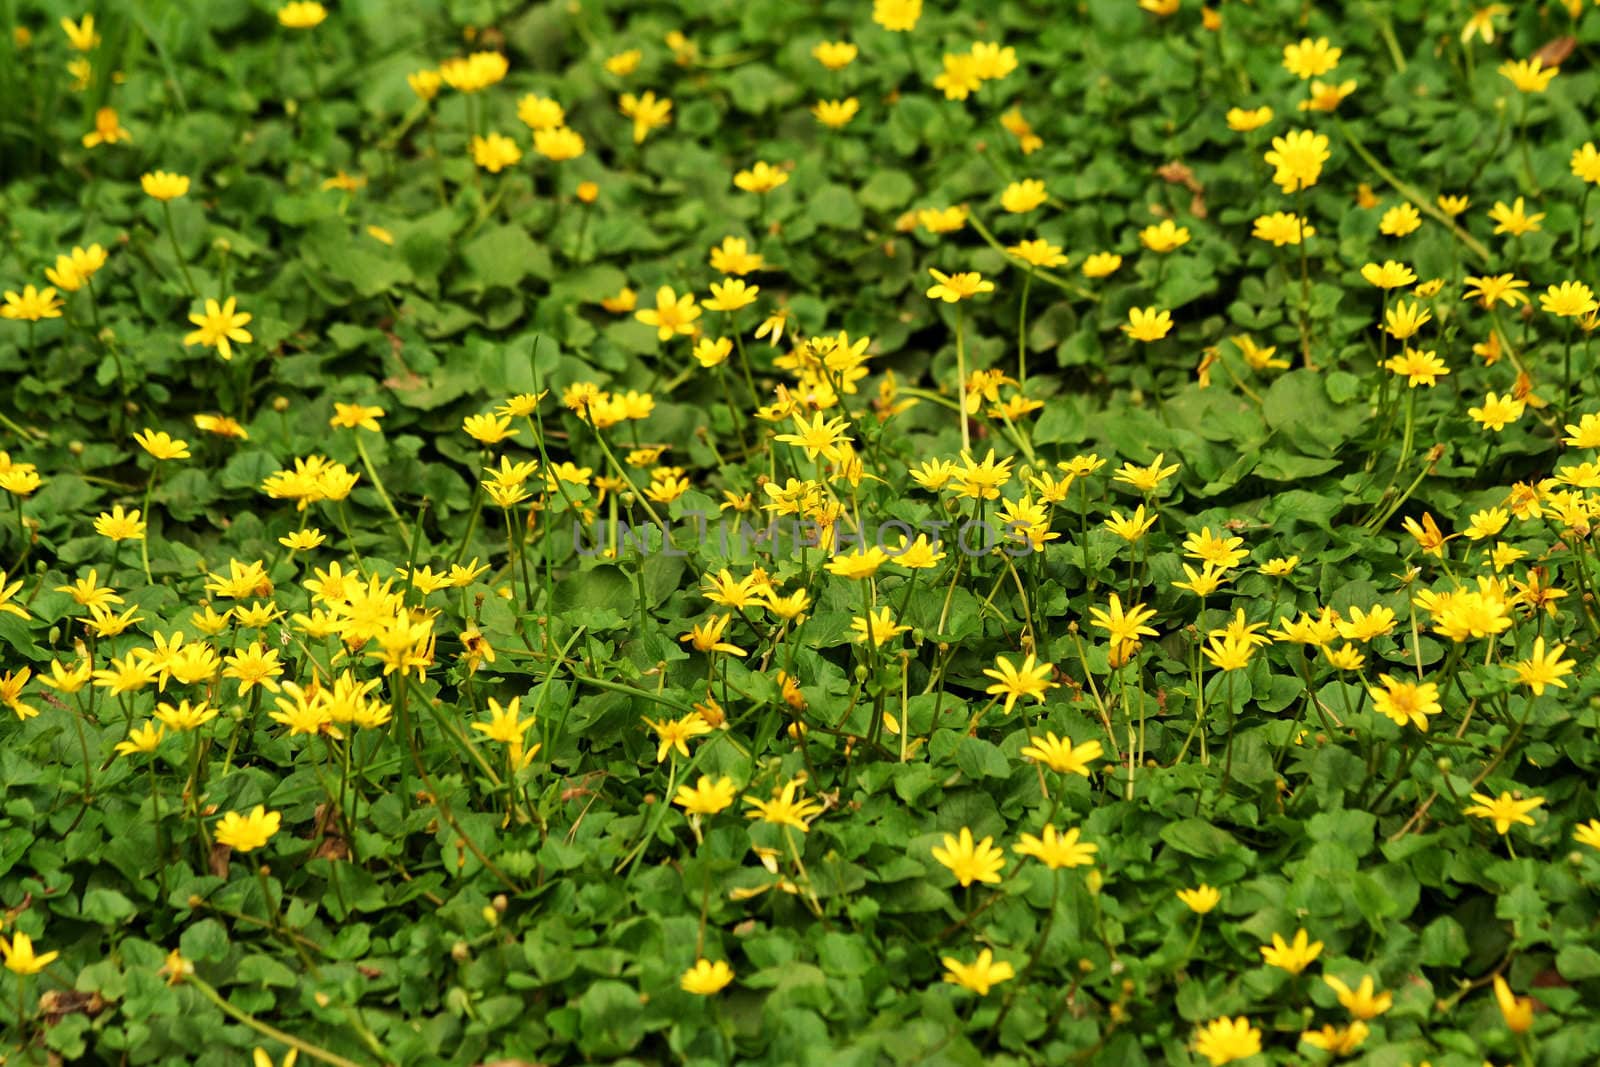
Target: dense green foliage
(466,721)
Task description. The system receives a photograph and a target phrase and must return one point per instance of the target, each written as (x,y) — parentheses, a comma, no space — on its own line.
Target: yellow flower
(1208,580)
(1417,368)
(835,55)
(1497,412)
(1101,264)
(674,733)
(31,305)
(495,152)
(488,429)
(1495,288)
(425,83)
(506,726)
(221,425)
(541,112)
(647,113)
(1481,23)
(707,636)
(162,445)
(302,14)
(1339,1040)
(952,288)
(1028,141)
(1327,96)
(473,73)
(672,315)
(558,144)
(107,130)
(1206,546)
(1124,628)
(979,976)
(1228,653)
(1568,300)
(971,861)
(1362,1002)
(219,326)
(1147,324)
(1062,756)
(1282,228)
(1405,701)
(73,271)
(183,717)
(1310,59)
(1586,163)
(1588,833)
(11,686)
(1294,956)
(942,220)
(878,627)
(1038,253)
(761,178)
(19,954)
(118,525)
(710,352)
(733,256)
(1201,899)
(783,809)
(731,294)
(1055,850)
(706,978)
(1013,682)
(1298,158)
(1528,75)
(897,16)
(1023,196)
(1243,120)
(1400,220)
(836,114)
(1505,810)
(245,833)
(1543,668)
(81,35)
(706,797)
(1146,479)
(1225,1040)
(356,416)
(1513,219)
(1164,237)
(623,64)
(1516,1011)
(1404,320)
(164,185)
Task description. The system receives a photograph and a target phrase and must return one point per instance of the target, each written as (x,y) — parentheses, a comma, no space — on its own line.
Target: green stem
(377,483)
(961,379)
(1022,334)
(172,235)
(144,542)
(1421,202)
(316,1052)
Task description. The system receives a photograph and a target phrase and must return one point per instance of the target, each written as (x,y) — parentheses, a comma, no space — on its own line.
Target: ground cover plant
(785,533)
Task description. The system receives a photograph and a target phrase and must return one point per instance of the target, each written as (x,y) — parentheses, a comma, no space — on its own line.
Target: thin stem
(316,1052)
(1022,334)
(177,254)
(377,483)
(961,379)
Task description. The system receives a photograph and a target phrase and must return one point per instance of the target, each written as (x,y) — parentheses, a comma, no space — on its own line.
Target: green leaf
(503,256)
